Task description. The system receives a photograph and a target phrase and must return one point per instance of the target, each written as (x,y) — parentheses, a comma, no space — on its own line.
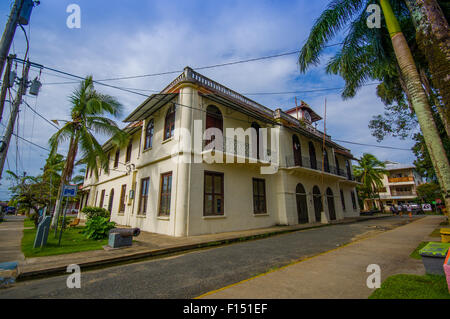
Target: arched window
(169,123)
(326,163)
(297,150)
(256,127)
(312,156)
(149,134)
(214,119)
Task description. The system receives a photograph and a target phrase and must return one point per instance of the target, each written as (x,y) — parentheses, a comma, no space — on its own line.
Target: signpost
(426,207)
(68,191)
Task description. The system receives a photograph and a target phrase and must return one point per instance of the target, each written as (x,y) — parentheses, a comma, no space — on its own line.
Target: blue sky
(120,38)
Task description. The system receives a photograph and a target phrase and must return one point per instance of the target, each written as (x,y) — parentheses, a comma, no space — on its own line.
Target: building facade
(399,185)
(170,181)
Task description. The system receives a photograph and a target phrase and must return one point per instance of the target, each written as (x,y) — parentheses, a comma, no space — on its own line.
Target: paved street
(192,274)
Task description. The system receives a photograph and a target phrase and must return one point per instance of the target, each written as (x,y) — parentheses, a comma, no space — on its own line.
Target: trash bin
(447,269)
(445,235)
(433,257)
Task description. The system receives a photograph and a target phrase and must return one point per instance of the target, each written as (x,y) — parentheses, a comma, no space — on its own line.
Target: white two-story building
(171,182)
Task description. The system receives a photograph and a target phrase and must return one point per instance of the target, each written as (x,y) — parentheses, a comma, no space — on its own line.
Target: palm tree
(369,173)
(334,19)
(432,34)
(87,118)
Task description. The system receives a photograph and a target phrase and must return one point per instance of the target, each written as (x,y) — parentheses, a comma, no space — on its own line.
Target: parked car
(10,210)
(415,208)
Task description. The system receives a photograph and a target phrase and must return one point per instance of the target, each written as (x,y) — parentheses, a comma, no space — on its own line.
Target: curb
(22,276)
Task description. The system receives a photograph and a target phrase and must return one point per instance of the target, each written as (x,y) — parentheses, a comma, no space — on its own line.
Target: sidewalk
(11,231)
(339,273)
(150,245)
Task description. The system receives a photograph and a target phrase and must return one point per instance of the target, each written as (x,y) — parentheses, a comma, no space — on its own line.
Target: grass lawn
(436,233)
(412,287)
(72,241)
(415,253)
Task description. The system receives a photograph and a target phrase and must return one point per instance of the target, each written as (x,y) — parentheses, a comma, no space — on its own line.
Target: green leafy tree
(88,107)
(369,173)
(341,13)
(428,192)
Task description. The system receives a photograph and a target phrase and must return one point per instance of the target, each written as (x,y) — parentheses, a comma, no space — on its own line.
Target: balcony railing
(238,148)
(400,179)
(192,76)
(396,193)
(306,162)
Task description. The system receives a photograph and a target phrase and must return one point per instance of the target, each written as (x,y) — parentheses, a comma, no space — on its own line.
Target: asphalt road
(192,274)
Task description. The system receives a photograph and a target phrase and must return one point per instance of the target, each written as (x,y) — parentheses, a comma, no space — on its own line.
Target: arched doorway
(312,156)
(111,200)
(297,151)
(330,202)
(317,203)
(214,119)
(302,206)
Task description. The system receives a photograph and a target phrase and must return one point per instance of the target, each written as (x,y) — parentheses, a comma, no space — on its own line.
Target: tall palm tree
(370,173)
(87,118)
(433,38)
(334,19)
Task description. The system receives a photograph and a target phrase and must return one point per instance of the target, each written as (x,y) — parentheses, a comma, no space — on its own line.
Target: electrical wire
(210,66)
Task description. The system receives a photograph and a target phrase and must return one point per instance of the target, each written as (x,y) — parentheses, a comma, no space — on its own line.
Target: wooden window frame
(342,199)
(148,142)
(169,122)
(259,196)
(353,196)
(129,151)
(167,194)
(213,193)
(122,204)
(116,158)
(142,207)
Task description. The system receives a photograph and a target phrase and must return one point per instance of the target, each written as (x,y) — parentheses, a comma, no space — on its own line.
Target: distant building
(399,185)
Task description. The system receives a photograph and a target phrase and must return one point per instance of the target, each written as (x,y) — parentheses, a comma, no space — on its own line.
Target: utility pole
(10,128)
(5,84)
(8,33)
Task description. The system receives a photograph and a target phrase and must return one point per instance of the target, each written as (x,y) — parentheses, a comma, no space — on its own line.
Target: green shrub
(92,212)
(98,227)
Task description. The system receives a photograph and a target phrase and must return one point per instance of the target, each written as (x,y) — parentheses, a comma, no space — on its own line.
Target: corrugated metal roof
(391,167)
(150,105)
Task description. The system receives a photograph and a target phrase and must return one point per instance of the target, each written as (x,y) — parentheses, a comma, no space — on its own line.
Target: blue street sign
(69,191)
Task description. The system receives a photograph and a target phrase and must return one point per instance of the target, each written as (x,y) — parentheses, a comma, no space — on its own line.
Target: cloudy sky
(134,37)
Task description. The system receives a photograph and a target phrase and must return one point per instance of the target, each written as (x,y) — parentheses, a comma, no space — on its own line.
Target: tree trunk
(433,38)
(440,109)
(65,177)
(419,101)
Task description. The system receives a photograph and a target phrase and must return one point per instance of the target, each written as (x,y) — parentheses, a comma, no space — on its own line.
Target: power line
(24,139)
(373,145)
(210,66)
